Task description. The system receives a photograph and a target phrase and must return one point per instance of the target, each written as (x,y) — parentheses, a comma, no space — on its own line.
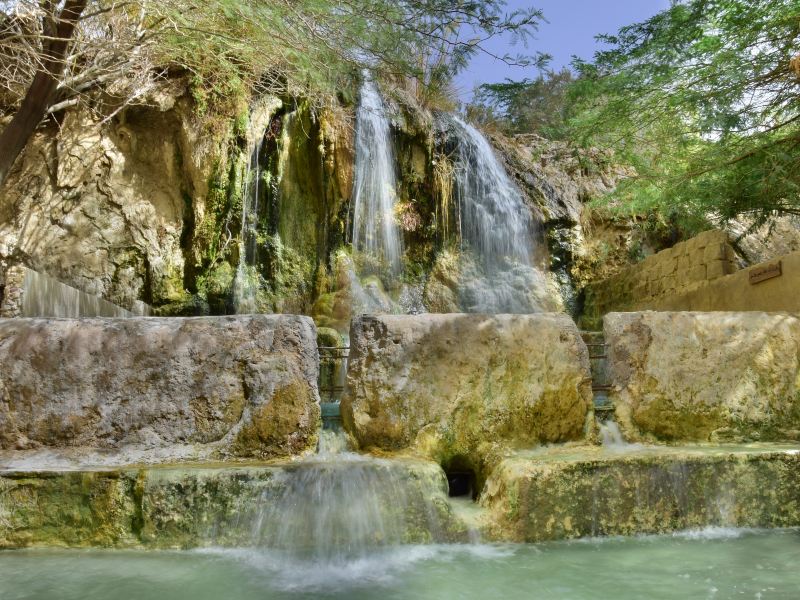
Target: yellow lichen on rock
(462,388)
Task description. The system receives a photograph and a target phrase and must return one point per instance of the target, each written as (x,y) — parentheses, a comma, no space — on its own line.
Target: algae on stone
(705,376)
(463,387)
(532,498)
(188,507)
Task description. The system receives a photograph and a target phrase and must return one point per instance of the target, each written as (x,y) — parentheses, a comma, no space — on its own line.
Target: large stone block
(460,386)
(705,376)
(233,386)
(176,507)
(571,493)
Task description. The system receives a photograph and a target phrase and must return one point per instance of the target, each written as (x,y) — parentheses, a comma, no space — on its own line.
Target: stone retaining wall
(669,273)
(458,387)
(235,386)
(699,275)
(705,376)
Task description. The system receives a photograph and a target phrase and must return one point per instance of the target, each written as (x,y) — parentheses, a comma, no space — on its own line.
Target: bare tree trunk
(42,91)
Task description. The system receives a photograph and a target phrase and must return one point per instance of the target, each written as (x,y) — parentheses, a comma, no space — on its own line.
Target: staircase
(601,385)
(332,380)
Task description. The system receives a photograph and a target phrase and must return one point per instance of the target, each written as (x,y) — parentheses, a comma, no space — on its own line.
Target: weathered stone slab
(573,493)
(187,507)
(242,386)
(705,376)
(536,495)
(459,387)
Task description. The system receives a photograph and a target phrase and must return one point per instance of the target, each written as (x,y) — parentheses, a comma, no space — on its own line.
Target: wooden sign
(766,271)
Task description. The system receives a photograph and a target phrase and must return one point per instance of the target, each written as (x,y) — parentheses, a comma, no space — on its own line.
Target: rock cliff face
(460,388)
(147,205)
(705,376)
(227,386)
(558,180)
(108,208)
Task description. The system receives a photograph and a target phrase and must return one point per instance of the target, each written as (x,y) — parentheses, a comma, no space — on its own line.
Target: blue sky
(572,27)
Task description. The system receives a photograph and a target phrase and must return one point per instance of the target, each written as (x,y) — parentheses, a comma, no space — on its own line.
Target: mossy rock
(329,337)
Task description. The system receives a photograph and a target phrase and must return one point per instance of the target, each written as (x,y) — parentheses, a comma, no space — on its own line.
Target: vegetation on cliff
(54,52)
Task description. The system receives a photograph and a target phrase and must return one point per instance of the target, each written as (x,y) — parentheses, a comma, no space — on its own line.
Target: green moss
(272,430)
(217,287)
(240,125)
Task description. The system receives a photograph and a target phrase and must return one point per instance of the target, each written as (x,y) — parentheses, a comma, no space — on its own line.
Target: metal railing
(332,372)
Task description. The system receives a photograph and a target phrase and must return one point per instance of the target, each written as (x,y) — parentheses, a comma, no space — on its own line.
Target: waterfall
(495,228)
(375,232)
(261,185)
(493,218)
(611,437)
(247,278)
(338,511)
(45,296)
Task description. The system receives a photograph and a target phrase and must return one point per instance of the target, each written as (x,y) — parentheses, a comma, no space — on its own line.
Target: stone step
(185,506)
(591,338)
(545,493)
(598,356)
(555,493)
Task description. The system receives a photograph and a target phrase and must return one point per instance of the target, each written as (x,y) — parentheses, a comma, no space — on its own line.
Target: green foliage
(702,99)
(313,48)
(528,106)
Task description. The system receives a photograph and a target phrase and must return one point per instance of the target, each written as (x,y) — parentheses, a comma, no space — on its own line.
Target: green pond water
(712,563)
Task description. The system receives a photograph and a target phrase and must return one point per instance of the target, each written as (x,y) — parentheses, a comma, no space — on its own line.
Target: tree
(57,29)
(54,52)
(702,99)
(528,106)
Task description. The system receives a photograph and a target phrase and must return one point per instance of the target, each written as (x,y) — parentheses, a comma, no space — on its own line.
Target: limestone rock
(571,493)
(705,376)
(104,208)
(170,507)
(242,386)
(459,387)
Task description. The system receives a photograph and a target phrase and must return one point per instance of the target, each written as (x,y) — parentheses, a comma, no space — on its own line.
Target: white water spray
(375,232)
(493,218)
(495,227)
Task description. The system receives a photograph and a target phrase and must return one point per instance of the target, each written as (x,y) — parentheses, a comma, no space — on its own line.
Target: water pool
(712,563)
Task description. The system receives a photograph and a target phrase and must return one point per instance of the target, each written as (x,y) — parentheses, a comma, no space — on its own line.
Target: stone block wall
(676,271)
(208,387)
(705,376)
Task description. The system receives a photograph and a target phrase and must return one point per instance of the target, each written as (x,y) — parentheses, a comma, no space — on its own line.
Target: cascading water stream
(493,218)
(246,277)
(612,439)
(375,233)
(260,185)
(340,515)
(45,296)
(495,228)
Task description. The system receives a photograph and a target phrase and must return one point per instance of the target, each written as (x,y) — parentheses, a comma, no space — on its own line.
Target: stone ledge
(573,492)
(196,506)
(241,386)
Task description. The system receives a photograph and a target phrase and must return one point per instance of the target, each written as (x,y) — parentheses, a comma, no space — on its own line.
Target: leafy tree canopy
(703,100)
(527,106)
(53,53)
